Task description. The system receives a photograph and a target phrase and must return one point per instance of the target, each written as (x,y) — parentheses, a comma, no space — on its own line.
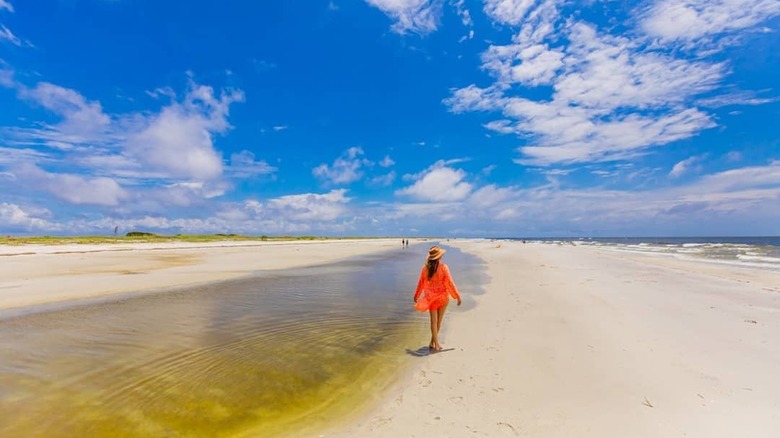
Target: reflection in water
(254,356)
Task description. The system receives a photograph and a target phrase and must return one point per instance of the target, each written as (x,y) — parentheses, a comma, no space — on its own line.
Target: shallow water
(257,356)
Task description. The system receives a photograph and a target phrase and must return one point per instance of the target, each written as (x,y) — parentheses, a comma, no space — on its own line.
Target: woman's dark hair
(433,265)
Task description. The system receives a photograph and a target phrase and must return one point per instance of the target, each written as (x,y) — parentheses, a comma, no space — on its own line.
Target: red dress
(434,293)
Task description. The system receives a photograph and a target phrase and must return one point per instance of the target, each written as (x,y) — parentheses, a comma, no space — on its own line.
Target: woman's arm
(449,284)
(420,284)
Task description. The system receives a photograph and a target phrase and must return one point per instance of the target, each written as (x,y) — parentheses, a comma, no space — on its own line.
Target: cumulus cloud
(729,197)
(175,143)
(439,184)
(418,16)
(311,206)
(179,140)
(72,188)
(716,201)
(345,169)
(14,218)
(127,164)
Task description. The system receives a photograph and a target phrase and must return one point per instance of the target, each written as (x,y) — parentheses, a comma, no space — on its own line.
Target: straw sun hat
(435,253)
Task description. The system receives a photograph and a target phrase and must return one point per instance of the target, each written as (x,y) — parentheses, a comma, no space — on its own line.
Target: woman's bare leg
(434,329)
(440,315)
(439,318)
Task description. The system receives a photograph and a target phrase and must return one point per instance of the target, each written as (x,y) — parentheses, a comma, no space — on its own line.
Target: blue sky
(390,117)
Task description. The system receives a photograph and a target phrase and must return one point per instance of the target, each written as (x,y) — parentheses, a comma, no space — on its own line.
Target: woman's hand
(459,301)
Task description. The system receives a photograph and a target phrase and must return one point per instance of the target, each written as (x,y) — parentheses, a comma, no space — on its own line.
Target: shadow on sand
(425,351)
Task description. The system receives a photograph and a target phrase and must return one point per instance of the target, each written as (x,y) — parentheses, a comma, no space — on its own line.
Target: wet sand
(583,342)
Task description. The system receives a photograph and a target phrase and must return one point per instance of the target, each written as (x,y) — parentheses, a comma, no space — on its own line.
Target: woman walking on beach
(434,289)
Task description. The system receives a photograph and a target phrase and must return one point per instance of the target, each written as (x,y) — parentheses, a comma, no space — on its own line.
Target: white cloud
(12,215)
(386,161)
(82,119)
(6,5)
(13,156)
(527,60)
(243,165)
(734,156)
(508,11)
(15,218)
(74,189)
(489,169)
(6,76)
(7,35)
(741,179)
(607,72)
(490,196)
(689,20)
(178,140)
(384,180)
(161,92)
(720,201)
(439,184)
(345,169)
(311,206)
(474,98)
(129,163)
(327,213)
(419,16)
(735,98)
(611,97)
(465,18)
(279,128)
(684,166)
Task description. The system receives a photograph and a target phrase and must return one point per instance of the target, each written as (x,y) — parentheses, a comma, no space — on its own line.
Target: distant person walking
(434,289)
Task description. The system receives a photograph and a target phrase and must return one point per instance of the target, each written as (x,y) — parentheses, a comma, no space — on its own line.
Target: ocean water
(269,355)
(756,252)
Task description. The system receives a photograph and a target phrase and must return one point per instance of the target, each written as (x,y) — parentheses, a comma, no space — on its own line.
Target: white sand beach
(584,342)
(565,341)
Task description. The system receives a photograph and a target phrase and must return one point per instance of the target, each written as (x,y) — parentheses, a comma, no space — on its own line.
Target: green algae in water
(255,357)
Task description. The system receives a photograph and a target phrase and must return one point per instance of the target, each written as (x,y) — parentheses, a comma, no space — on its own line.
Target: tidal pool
(268,355)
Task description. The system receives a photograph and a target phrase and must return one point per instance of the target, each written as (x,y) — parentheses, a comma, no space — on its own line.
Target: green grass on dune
(150,238)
